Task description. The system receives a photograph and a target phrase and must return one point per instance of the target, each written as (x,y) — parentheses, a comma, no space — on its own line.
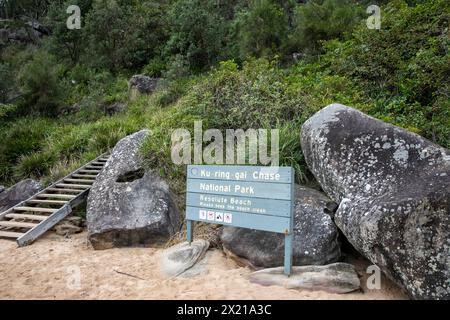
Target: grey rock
(66,229)
(74,108)
(142,84)
(315,236)
(2,188)
(115,107)
(18,193)
(28,31)
(334,278)
(183,256)
(75,220)
(393,187)
(128,206)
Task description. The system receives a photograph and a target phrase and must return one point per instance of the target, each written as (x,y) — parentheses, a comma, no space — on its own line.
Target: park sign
(253,197)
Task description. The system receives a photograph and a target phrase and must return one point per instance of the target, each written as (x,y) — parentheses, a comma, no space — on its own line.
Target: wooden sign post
(259,198)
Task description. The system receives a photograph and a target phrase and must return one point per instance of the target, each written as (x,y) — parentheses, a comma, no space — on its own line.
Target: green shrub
(40,84)
(318,20)
(197,33)
(403,67)
(124,35)
(35,164)
(155,67)
(261,29)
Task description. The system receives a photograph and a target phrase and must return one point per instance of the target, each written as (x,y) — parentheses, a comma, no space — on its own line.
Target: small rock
(334,278)
(142,84)
(181,257)
(75,221)
(74,108)
(2,188)
(114,108)
(65,229)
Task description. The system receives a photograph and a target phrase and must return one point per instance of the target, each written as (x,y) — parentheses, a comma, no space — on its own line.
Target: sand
(55,267)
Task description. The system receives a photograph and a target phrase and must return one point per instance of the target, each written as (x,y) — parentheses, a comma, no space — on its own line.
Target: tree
(319,20)
(124,34)
(40,85)
(261,29)
(65,42)
(197,32)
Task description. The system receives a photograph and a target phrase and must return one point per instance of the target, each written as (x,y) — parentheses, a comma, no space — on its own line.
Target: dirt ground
(55,267)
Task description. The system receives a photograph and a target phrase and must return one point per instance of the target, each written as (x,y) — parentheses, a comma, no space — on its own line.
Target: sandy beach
(55,267)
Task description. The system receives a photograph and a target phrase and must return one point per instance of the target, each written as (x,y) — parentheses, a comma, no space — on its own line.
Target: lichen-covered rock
(128,206)
(393,187)
(315,236)
(334,278)
(18,192)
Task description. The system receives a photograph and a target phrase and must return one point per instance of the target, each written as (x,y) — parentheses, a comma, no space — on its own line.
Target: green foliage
(403,67)
(6,82)
(21,137)
(155,67)
(17,8)
(42,90)
(34,165)
(67,43)
(319,20)
(261,30)
(197,33)
(6,110)
(399,74)
(122,34)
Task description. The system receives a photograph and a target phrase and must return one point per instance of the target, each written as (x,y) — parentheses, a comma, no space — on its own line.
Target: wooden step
(97,163)
(74,186)
(89,171)
(65,190)
(102,159)
(48,201)
(78,180)
(26,216)
(16,224)
(10,234)
(84,175)
(60,196)
(89,167)
(35,209)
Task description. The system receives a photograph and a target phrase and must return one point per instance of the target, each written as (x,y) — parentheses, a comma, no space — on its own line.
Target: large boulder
(128,206)
(393,187)
(18,193)
(315,236)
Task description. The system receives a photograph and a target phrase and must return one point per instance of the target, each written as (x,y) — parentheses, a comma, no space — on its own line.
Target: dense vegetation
(232,64)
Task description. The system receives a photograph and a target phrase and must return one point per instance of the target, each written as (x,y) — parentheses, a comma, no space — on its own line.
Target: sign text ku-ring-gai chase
(259,198)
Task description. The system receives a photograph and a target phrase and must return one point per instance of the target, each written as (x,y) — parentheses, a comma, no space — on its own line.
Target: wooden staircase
(29,219)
